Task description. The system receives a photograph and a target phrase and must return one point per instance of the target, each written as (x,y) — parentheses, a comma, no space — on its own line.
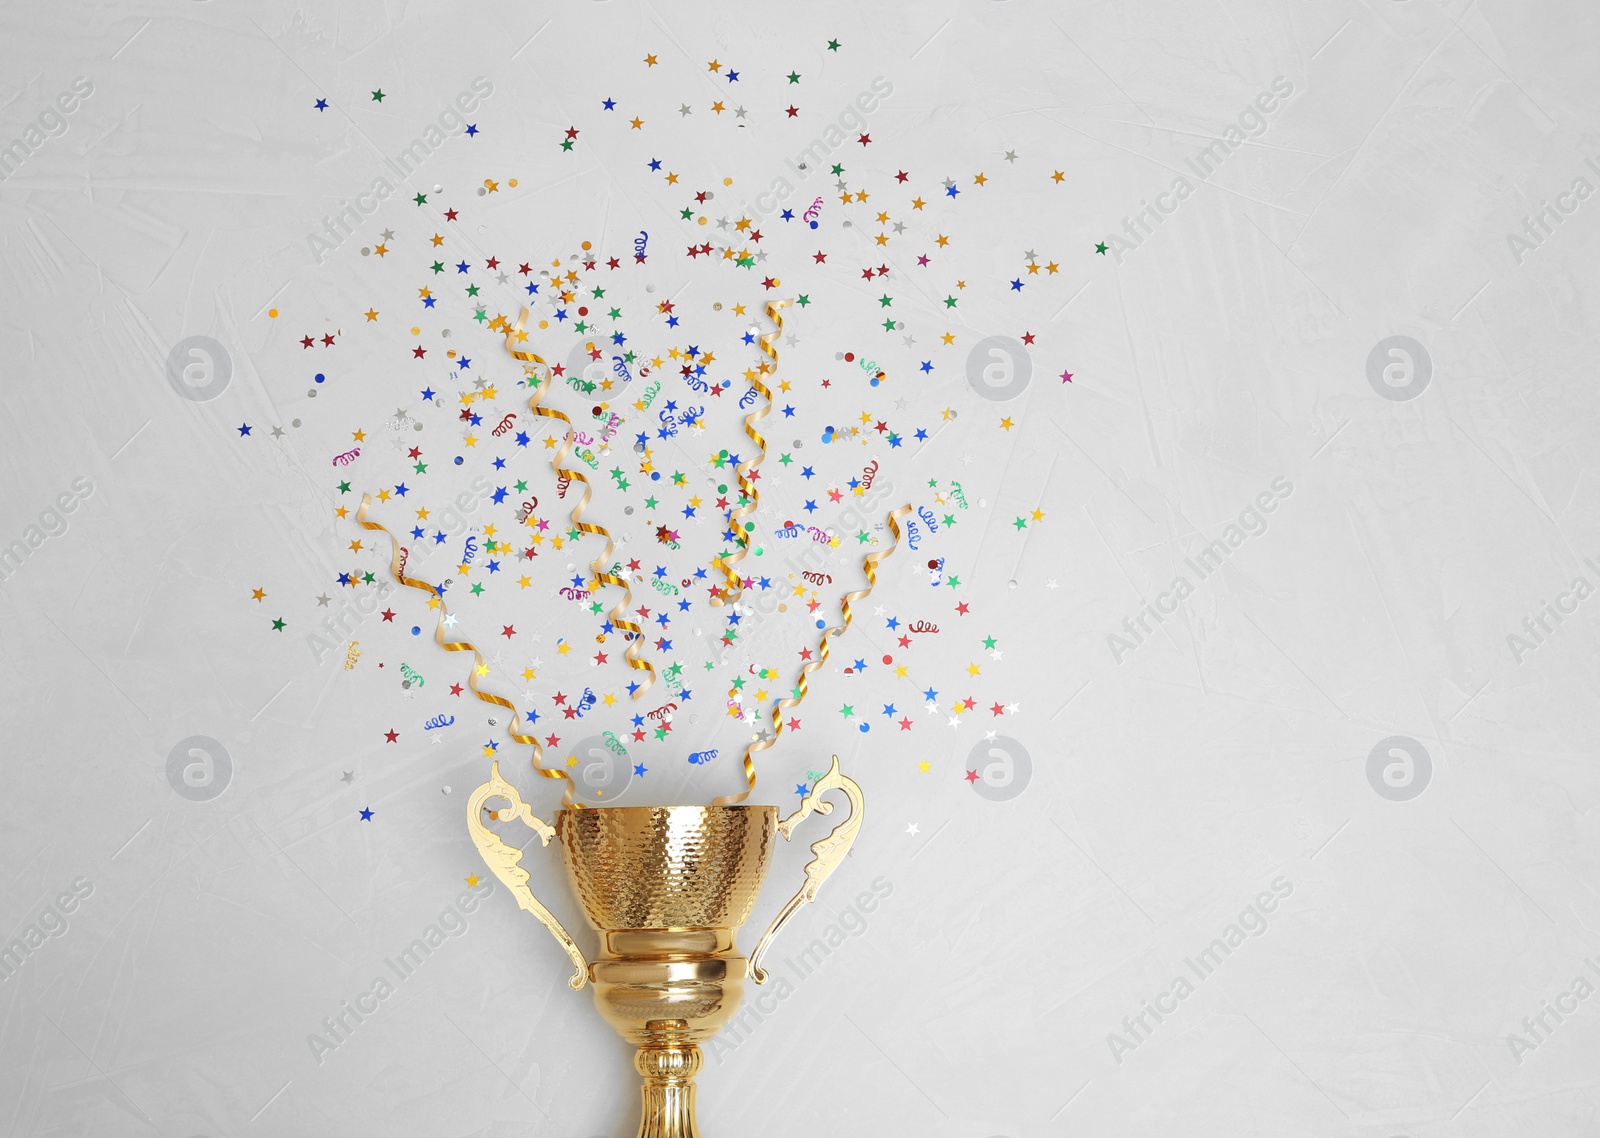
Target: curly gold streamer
(616,615)
(735,587)
(465,646)
(869,566)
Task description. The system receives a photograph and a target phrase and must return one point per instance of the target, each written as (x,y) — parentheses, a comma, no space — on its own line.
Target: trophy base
(667,991)
(669,1067)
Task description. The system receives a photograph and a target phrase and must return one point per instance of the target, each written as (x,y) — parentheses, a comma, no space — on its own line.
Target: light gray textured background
(1170,784)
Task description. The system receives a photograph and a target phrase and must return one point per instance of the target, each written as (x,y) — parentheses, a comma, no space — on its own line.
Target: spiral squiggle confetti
(869,566)
(479,667)
(514,333)
(734,588)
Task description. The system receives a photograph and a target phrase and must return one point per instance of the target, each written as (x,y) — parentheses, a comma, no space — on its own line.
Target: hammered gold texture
(647,1004)
(643,867)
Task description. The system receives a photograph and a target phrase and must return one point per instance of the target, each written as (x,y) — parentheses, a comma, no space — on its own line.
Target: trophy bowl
(667,889)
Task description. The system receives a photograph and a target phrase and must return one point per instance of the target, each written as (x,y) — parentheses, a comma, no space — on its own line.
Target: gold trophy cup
(667,888)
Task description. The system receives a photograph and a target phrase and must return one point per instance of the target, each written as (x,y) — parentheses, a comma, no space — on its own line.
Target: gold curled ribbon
(869,566)
(616,615)
(464,646)
(734,587)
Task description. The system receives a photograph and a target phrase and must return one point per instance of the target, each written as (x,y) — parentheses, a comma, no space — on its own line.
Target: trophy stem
(669,1067)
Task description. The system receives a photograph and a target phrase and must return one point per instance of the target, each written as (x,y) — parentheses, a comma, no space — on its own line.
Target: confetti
(869,566)
(464,646)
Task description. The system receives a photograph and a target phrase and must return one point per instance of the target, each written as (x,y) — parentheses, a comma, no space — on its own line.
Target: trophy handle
(830,852)
(505,861)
